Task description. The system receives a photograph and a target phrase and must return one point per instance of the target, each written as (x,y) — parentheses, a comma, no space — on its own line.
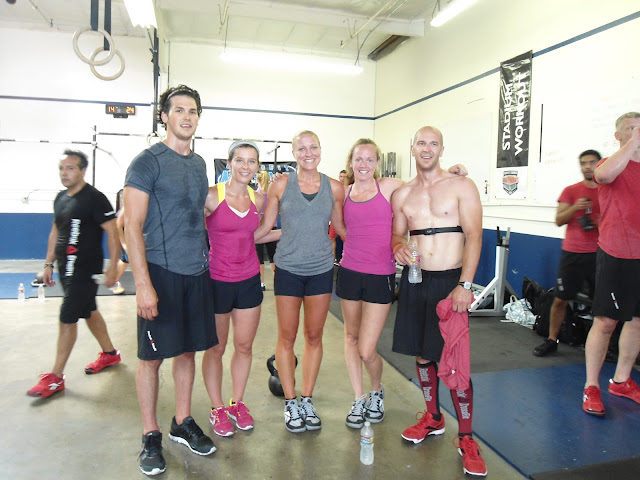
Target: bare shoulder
(278,185)
(388,186)
(402,192)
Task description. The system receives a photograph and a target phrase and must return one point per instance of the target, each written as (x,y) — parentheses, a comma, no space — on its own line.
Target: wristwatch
(465,285)
(48,265)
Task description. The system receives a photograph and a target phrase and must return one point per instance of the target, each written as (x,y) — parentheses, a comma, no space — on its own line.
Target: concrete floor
(92,429)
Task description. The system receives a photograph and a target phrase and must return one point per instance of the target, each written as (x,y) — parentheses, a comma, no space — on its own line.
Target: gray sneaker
(293,420)
(375,406)
(355,419)
(308,412)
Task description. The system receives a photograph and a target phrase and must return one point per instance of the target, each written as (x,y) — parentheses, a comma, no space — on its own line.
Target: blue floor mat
(9,285)
(533,418)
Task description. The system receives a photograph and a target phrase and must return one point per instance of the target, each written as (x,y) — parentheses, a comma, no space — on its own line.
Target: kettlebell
(275,386)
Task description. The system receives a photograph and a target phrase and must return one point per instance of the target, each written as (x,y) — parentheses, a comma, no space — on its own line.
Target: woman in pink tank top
(366,279)
(232,216)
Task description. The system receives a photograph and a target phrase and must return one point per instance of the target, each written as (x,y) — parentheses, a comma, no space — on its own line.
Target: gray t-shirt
(174,230)
(305,247)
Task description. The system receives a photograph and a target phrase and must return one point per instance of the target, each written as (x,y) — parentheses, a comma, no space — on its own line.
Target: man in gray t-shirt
(164,195)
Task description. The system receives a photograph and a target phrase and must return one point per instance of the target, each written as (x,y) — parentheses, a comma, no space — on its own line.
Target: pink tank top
(232,251)
(367,248)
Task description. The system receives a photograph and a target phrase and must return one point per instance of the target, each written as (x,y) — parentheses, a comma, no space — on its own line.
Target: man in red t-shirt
(579,210)
(617,295)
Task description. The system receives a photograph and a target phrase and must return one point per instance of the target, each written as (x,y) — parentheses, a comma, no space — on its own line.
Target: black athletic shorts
(417,330)
(291,285)
(617,288)
(269,248)
(241,295)
(351,285)
(185,321)
(79,298)
(573,270)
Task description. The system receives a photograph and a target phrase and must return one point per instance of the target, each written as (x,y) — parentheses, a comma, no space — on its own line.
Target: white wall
(46,67)
(578,84)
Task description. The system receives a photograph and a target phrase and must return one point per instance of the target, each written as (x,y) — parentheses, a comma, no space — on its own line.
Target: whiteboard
(583,119)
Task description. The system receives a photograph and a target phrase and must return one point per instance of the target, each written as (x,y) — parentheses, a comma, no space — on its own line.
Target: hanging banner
(513,126)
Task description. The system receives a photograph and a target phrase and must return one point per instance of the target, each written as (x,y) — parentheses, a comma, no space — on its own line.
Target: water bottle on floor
(366,444)
(21,292)
(41,293)
(415,273)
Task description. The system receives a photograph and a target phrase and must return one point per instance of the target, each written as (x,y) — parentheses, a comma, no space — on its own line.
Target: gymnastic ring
(102,77)
(153,135)
(104,33)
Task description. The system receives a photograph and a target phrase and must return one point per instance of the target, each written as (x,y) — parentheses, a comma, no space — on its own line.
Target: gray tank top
(305,247)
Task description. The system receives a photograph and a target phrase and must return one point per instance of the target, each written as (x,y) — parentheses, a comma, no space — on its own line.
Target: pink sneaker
(220,421)
(47,386)
(240,414)
(104,360)
(628,389)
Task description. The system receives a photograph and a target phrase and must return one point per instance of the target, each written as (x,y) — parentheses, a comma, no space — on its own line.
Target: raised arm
(613,166)
(136,204)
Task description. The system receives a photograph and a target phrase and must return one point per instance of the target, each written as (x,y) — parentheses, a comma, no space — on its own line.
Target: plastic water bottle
(21,292)
(415,273)
(366,444)
(41,293)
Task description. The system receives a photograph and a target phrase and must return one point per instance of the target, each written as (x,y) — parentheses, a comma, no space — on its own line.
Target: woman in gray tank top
(306,201)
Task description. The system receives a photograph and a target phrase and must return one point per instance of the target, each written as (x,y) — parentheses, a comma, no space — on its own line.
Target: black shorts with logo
(617,287)
(573,271)
(186,319)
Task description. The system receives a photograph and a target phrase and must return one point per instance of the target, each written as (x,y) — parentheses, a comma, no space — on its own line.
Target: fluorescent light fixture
(141,12)
(288,61)
(450,11)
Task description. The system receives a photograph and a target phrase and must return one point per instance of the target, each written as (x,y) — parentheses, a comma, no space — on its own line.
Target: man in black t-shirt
(81,214)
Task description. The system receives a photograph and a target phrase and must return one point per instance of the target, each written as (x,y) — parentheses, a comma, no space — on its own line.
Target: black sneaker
(549,346)
(191,435)
(151,459)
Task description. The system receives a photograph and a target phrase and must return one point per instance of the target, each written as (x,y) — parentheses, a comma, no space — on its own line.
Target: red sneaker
(426,425)
(240,414)
(472,462)
(592,401)
(47,386)
(628,389)
(104,360)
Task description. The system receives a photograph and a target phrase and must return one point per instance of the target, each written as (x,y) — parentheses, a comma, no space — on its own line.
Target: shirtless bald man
(443,215)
